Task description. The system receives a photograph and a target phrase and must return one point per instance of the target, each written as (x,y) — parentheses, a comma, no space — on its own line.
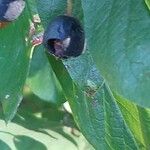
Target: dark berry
(64,37)
(10,9)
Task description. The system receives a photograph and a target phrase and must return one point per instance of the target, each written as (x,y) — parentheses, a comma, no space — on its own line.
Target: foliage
(107,87)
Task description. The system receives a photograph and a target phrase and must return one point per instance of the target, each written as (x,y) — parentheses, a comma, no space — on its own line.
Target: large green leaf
(119,40)
(42,80)
(14,63)
(94,107)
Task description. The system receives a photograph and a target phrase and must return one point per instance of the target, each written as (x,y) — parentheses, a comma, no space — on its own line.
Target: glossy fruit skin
(68,30)
(10,10)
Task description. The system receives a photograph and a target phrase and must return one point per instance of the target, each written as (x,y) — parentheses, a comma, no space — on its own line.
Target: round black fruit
(10,9)
(64,37)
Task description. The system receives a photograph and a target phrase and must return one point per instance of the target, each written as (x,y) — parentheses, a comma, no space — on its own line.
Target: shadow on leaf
(24,142)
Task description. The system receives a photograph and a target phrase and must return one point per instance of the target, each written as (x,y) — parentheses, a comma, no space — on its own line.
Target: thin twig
(69,7)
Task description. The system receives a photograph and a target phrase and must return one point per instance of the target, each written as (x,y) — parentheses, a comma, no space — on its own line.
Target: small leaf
(138,120)
(42,80)
(28,142)
(147,3)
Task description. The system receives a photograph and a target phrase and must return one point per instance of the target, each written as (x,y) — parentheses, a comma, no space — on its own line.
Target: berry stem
(69,7)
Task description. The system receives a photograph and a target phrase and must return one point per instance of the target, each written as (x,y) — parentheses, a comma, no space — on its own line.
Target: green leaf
(23,142)
(42,80)
(147,3)
(119,40)
(4,146)
(138,120)
(14,63)
(49,9)
(94,107)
